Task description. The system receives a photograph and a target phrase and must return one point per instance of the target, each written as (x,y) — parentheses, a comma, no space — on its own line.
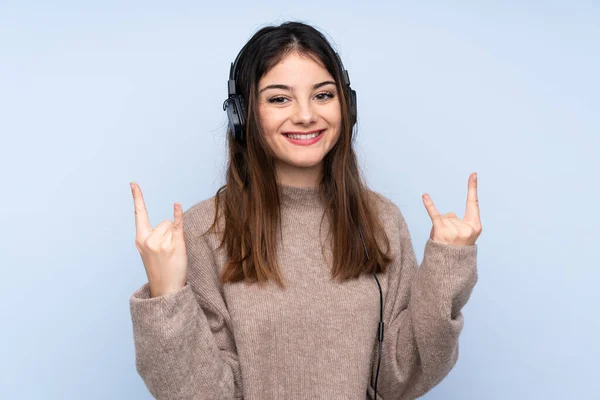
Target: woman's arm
(184,345)
(423,316)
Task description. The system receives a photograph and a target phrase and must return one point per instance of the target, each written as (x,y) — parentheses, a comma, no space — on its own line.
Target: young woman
(274,288)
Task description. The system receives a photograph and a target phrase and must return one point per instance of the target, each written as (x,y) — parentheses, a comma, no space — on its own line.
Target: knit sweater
(314,339)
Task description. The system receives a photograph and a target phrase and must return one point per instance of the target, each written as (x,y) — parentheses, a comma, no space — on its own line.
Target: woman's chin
(304,163)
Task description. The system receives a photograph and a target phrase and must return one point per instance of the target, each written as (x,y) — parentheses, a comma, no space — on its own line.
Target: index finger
(142,222)
(472,209)
(431,210)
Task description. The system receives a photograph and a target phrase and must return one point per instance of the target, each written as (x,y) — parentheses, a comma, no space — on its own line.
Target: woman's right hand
(163,249)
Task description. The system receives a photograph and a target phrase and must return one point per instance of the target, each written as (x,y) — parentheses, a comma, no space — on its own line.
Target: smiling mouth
(304,136)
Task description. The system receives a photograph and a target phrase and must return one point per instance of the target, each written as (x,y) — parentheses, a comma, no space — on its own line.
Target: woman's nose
(304,113)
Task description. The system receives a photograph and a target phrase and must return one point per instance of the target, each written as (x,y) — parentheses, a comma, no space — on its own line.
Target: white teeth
(304,137)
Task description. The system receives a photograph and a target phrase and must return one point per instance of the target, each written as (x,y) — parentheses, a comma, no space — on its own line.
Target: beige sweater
(316,339)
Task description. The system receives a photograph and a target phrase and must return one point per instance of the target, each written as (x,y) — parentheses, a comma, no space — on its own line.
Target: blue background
(95,95)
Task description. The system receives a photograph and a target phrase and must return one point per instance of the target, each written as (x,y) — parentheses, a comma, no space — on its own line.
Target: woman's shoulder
(199,217)
(390,217)
(383,205)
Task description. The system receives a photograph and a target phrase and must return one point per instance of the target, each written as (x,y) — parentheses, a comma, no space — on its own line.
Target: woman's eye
(283,100)
(325,96)
(277,100)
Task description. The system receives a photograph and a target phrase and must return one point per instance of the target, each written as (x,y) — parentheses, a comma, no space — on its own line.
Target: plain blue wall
(93,96)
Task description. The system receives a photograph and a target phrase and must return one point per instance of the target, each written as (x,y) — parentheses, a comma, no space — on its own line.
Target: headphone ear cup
(231,108)
(236,114)
(352,107)
(243,112)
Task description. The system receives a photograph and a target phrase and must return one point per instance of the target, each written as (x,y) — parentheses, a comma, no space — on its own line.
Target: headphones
(237,112)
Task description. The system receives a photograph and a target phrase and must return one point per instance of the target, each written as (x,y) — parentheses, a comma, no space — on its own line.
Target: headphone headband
(231,90)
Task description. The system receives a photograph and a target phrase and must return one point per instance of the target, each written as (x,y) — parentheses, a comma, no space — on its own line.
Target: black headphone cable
(380,327)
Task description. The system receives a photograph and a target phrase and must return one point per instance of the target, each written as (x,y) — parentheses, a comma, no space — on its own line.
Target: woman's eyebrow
(285,87)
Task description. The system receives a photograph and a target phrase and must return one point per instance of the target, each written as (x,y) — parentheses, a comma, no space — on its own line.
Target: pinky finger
(178,217)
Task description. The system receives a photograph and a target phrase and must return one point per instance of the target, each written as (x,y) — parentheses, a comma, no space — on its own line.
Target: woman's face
(297,100)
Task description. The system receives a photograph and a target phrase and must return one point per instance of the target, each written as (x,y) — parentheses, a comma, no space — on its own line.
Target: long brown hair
(250,198)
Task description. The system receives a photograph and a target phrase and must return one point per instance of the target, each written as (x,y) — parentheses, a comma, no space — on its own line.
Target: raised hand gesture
(163,249)
(448,228)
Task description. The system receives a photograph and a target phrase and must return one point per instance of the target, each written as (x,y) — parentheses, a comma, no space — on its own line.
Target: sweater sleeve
(423,317)
(184,346)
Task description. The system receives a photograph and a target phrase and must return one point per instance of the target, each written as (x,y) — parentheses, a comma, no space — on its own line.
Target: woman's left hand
(448,228)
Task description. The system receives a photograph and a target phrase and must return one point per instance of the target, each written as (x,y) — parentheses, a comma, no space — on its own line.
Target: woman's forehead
(296,70)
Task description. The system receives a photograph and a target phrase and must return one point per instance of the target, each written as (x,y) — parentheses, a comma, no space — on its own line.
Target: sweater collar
(300,199)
